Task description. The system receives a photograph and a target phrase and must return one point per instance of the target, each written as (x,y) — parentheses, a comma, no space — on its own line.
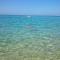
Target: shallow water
(29,38)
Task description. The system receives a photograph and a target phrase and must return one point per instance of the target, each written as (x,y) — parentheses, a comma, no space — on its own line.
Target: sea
(29,37)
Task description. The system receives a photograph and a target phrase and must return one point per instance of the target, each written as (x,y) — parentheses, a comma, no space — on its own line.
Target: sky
(30,7)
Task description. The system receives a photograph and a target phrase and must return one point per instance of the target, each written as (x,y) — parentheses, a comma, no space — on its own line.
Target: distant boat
(28,16)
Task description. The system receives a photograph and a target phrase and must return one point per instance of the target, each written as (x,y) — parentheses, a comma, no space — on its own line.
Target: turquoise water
(29,38)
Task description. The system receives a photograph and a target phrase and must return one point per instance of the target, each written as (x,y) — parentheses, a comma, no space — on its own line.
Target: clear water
(29,38)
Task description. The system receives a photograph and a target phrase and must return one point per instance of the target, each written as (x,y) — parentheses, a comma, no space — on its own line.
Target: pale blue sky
(30,7)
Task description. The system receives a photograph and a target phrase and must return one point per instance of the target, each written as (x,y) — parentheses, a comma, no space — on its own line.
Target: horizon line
(29,14)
